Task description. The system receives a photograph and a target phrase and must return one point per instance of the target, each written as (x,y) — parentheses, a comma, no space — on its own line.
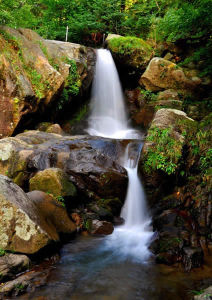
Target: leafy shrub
(164,153)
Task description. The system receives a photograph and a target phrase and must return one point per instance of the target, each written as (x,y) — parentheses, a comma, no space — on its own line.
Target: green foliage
(187,20)
(148,96)
(61,200)
(72,84)
(164,153)
(2,252)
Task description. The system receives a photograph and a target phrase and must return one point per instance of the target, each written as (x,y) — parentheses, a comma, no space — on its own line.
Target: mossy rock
(133,51)
(53,181)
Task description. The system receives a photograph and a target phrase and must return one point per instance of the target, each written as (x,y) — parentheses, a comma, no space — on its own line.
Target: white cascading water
(108,114)
(109,119)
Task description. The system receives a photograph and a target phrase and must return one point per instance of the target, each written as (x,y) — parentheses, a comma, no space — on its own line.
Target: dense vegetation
(180,21)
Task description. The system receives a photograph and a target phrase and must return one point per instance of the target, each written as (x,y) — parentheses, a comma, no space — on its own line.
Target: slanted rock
(162,74)
(12,264)
(53,211)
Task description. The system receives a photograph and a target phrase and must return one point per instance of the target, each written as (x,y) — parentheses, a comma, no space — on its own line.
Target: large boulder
(25,227)
(34,71)
(162,74)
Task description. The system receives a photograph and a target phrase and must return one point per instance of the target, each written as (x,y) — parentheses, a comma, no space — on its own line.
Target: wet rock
(54,181)
(101,227)
(162,74)
(12,264)
(192,257)
(23,283)
(91,163)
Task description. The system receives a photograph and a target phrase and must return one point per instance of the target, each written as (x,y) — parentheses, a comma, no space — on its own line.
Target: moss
(136,50)
(72,84)
(128,45)
(79,115)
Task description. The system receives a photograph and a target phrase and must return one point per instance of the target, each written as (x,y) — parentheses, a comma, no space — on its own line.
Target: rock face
(26,225)
(34,72)
(11,264)
(162,74)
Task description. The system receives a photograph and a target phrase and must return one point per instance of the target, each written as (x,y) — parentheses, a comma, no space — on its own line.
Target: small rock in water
(101,227)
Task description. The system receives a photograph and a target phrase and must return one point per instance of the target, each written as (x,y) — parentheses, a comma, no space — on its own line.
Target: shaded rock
(53,211)
(101,212)
(162,74)
(169,95)
(51,128)
(24,282)
(54,181)
(101,227)
(192,258)
(12,264)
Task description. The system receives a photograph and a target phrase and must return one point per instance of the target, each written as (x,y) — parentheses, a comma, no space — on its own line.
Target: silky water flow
(109,119)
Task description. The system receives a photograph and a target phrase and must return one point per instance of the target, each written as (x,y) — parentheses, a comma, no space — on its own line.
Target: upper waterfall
(108,114)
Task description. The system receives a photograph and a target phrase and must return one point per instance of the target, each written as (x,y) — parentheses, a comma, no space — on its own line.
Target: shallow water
(88,269)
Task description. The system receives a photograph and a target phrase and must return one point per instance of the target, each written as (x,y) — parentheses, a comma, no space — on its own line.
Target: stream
(91,269)
(119,266)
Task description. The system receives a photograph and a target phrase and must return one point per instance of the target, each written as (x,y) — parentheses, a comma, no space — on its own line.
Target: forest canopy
(184,21)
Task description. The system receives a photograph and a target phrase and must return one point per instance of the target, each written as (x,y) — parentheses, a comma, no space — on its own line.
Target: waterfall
(109,119)
(108,113)
(134,211)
